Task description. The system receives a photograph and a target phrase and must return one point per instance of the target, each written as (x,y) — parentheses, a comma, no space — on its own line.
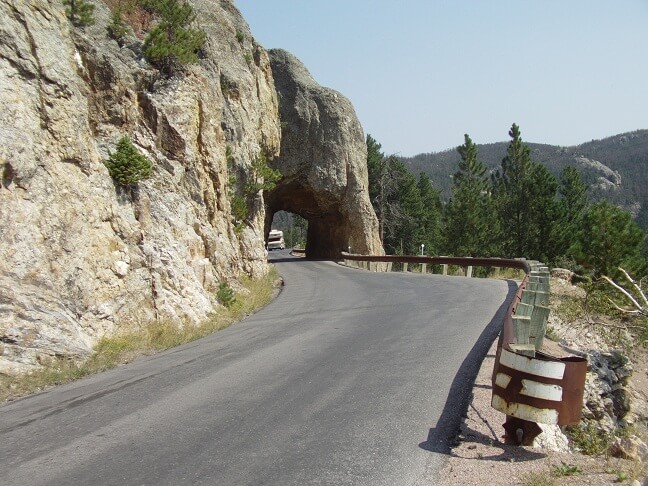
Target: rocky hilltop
(614,168)
(82,256)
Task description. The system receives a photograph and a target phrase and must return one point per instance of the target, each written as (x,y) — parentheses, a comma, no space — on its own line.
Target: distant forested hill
(615,168)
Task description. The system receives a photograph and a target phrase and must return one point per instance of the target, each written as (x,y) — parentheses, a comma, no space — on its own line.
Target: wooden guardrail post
(539,318)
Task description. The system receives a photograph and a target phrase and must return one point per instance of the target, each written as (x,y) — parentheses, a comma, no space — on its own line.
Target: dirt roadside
(481,457)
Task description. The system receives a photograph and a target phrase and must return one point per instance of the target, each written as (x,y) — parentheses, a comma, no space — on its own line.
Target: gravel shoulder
(481,457)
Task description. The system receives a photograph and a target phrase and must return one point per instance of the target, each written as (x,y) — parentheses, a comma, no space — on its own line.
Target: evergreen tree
(470,225)
(524,195)
(543,212)
(172,43)
(127,166)
(117,28)
(374,161)
(385,174)
(407,209)
(79,12)
(430,217)
(609,238)
(569,209)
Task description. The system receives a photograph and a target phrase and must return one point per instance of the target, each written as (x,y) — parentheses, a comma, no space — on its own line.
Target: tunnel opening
(324,233)
(294,229)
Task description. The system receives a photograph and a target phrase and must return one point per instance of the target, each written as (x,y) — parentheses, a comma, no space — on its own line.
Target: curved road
(348,377)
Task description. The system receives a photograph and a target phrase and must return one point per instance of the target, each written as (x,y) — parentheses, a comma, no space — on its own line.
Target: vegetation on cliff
(127,166)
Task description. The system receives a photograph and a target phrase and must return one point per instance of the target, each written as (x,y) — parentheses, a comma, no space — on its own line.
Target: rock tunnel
(327,234)
(323,162)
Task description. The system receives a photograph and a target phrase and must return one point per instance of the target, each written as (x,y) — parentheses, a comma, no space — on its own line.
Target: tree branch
(641,309)
(639,290)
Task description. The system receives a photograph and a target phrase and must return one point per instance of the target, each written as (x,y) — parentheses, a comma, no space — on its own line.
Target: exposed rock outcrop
(81,257)
(323,161)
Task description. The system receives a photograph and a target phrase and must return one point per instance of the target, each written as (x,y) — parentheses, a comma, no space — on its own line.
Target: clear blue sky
(421,73)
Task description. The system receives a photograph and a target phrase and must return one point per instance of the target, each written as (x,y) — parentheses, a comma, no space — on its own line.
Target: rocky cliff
(81,257)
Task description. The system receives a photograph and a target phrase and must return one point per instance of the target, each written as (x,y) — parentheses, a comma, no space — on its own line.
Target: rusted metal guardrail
(533,382)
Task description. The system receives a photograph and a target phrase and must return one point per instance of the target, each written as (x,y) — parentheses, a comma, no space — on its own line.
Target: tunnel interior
(327,234)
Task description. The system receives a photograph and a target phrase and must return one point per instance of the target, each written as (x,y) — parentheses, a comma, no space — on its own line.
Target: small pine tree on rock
(172,43)
(127,166)
(79,12)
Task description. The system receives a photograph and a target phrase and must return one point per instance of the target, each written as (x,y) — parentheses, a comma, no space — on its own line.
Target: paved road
(347,377)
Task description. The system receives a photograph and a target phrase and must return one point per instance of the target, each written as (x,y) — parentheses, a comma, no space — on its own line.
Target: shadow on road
(285,259)
(440,438)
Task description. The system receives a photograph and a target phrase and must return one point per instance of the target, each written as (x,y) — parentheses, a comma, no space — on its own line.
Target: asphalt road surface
(347,378)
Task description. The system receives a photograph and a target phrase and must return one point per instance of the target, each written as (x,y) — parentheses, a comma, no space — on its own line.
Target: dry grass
(140,340)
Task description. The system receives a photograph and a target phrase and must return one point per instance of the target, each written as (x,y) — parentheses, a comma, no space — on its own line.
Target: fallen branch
(639,301)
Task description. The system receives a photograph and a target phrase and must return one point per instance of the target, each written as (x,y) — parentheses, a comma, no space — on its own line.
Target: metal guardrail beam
(531,385)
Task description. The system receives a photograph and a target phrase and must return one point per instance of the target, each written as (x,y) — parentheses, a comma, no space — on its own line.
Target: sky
(421,73)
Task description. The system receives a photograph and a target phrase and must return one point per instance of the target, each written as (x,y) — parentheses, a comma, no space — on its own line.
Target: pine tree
(609,238)
(524,193)
(511,189)
(374,161)
(569,209)
(172,44)
(384,179)
(407,210)
(543,213)
(470,225)
(430,217)
(79,12)
(127,166)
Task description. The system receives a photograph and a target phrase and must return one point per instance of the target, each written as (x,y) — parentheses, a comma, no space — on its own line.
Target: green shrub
(117,28)
(589,439)
(127,166)
(239,208)
(263,177)
(566,470)
(240,36)
(172,44)
(225,295)
(79,12)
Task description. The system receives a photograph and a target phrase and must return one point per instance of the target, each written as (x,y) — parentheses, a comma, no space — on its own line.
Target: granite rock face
(83,258)
(80,257)
(323,161)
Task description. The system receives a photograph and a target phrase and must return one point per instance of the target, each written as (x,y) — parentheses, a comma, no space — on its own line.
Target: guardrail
(533,382)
